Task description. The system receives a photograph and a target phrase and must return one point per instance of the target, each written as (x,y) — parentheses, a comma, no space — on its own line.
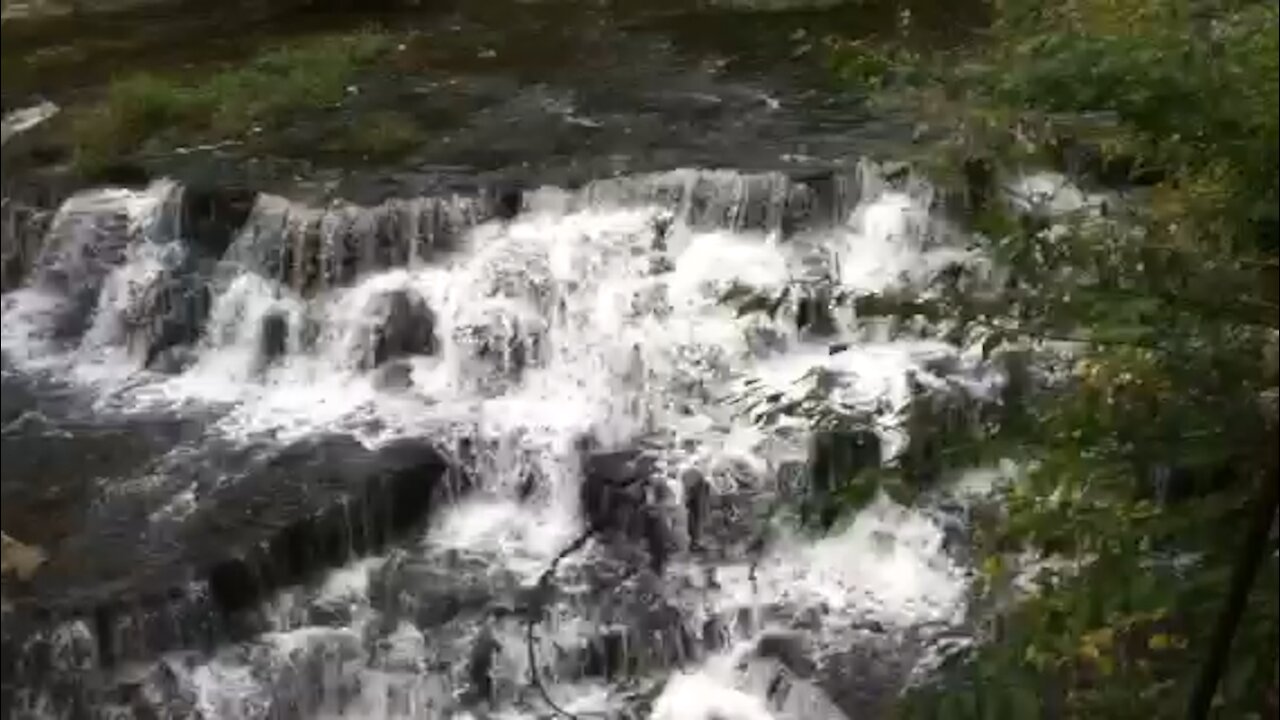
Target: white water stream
(592,313)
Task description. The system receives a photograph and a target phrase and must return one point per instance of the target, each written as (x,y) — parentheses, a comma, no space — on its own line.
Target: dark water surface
(535,91)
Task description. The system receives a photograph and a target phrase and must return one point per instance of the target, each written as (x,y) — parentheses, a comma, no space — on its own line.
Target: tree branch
(543,591)
(1243,575)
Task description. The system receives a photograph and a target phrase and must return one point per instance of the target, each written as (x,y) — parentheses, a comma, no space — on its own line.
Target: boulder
(697,502)
(169,318)
(613,490)
(86,239)
(400,324)
(273,338)
(941,423)
(500,342)
(506,202)
(20,121)
(211,217)
(621,499)
(836,458)
(789,648)
(24,226)
(150,572)
(18,560)
(395,375)
(814,316)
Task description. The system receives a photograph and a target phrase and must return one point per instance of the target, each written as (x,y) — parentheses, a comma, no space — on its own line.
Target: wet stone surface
(209,561)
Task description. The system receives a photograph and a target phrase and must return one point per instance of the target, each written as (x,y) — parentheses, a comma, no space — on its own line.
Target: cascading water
(578,362)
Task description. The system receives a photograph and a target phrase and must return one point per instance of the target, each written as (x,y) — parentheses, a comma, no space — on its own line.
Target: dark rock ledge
(179,560)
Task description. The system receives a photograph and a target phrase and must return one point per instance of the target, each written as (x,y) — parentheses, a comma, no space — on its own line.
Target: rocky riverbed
(459,432)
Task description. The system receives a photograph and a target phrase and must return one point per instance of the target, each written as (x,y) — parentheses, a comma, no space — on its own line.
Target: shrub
(260,96)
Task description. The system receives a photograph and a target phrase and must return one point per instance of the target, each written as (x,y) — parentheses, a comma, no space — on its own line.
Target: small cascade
(766,203)
(312,250)
(578,367)
(88,239)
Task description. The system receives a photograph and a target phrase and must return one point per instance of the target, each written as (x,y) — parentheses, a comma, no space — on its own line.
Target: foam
(622,336)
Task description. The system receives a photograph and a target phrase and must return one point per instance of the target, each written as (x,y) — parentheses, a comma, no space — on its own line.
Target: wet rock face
(499,344)
(211,216)
(81,247)
(206,547)
(623,502)
(819,199)
(262,519)
(127,274)
(273,339)
(835,460)
(789,648)
(23,230)
(506,202)
(403,325)
(395,375)
(697,503)
(362,499)
(814,316)
(407,327)
(936,422)
(314,249)
(54,466)
(882,667)
(17,559)
(612,492)
(172,317)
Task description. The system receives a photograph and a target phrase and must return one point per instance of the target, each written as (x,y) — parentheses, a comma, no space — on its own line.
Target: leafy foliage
(1105,564)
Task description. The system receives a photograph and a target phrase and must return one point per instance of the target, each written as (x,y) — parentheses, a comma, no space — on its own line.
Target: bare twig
(535,615)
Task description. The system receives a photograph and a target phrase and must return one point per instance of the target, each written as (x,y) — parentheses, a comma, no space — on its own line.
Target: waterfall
(578,361)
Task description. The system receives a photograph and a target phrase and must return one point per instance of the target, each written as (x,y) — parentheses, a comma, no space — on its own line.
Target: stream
(468,439)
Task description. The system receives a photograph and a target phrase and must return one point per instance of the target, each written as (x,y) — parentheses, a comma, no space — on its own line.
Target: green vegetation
(379,135)
(145,111)
(1149,466)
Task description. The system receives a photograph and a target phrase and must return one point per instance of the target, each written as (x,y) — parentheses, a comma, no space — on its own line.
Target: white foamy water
(591,314)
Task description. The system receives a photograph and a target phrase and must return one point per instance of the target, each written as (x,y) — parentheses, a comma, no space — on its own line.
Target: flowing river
(485,449)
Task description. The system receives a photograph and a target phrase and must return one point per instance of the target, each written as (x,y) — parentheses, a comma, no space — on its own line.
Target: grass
(146,111)
(380,135)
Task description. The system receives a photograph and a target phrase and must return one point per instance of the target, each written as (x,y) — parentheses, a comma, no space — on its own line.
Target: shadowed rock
(395,375)
(506,202)
(171,319)
(86,239)
(313,249)
(613,490)
(480,664)
(273,339)
(697,494)
(790,649)
(621,499)
(940,425)
(149,573)
(814,315)
(499,344)
(211,216)
(22,231)
(316,504)
(401,324)
(24,119)
(835,460)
